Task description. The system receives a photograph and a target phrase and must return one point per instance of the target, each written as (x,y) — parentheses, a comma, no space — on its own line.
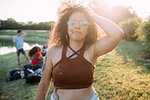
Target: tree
(29,25)
(52,23)
(129,26)
(143,31)
(115,13)
(10,23)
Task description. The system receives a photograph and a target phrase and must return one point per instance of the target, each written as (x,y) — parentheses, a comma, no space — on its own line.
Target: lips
(76,31)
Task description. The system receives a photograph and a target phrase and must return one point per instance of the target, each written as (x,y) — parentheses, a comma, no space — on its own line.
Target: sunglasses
(73,22)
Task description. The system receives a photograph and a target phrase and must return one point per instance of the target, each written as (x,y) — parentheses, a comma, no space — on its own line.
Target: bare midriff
(75,94)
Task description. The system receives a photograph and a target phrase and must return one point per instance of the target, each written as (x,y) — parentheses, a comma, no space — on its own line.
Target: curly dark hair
(59,34)
(34,50)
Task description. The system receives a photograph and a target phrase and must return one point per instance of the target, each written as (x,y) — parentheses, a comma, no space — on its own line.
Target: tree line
(10,23)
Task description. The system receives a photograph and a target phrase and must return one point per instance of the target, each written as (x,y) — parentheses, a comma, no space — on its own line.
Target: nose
(77,25)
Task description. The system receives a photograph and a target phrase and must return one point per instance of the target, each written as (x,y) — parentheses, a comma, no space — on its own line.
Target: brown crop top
(74,73)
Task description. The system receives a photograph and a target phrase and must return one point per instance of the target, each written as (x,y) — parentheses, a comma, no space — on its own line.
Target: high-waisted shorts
(94,97)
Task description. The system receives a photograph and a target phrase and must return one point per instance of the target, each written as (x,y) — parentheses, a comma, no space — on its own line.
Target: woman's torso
(74,94)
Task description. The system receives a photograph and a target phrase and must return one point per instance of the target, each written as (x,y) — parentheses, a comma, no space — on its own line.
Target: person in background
(36,56)
(70,61)
(44,49)
(18,43)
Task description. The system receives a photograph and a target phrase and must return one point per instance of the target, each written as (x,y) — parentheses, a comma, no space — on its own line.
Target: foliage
(143,31)
(10,23)
(115,13)
(129,26)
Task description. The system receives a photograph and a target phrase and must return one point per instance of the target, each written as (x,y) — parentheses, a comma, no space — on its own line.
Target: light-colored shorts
(94,97)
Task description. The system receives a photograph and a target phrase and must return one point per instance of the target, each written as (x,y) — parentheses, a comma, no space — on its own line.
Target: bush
(143,31)
(129,26)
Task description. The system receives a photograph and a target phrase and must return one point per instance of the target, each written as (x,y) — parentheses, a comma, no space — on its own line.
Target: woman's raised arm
(113,35)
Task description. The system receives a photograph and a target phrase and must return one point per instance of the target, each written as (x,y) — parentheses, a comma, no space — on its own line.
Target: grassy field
(123,74)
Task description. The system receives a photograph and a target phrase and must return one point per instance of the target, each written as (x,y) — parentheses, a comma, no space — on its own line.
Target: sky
(46,10)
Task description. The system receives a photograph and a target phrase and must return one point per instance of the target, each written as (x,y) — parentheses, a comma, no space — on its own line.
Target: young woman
(70,61)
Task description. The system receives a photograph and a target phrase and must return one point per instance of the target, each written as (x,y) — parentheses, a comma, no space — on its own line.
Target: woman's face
(77,27)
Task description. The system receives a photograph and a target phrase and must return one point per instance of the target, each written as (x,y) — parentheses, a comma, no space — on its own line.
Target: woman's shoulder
(54,49)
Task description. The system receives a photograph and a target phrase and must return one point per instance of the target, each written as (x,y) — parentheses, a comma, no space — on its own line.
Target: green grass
(119,76)
(18,89)
(123,74)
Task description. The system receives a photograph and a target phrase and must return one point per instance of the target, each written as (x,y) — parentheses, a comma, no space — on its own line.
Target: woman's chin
(77,39)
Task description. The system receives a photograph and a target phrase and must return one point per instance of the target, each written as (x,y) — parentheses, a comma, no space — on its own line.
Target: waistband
(94,97)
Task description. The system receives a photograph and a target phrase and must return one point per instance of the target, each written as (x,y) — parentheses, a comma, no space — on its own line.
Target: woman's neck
(76,45)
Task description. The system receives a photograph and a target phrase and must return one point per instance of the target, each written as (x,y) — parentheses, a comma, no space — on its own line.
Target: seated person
(44,49)
(36,56)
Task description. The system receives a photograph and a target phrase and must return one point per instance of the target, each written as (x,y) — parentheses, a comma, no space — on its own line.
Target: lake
(34,38)
(9,49)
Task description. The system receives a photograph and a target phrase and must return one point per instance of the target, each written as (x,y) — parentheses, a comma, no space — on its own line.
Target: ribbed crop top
(75,73)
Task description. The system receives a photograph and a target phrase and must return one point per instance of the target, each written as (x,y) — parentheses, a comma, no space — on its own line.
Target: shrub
(143,31)
(129,26)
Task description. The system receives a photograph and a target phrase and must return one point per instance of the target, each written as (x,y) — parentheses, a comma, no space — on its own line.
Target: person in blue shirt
(44,49)
(18,43)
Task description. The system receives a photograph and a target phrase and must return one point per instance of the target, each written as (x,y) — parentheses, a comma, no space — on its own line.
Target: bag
(13,71)
(30,66)
(33,79)
(28,71)
(14,75)
(31,76)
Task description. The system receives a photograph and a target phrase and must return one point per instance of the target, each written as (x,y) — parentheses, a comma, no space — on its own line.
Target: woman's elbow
(120,34)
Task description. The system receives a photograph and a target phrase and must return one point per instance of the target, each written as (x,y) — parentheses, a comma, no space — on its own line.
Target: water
(26,46)
(6,43)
